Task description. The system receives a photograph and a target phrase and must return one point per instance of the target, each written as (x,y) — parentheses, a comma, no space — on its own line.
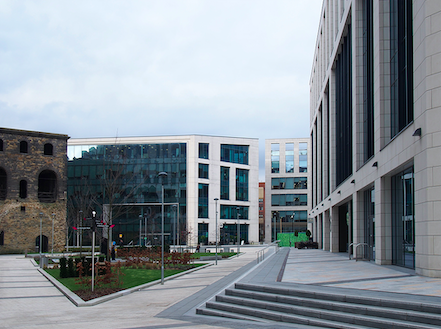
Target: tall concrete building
(286,186)
(33,169)
(199,169)
(376,139)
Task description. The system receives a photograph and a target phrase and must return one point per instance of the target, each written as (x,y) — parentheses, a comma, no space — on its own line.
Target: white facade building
(376,139)
(286,186)
(200,169)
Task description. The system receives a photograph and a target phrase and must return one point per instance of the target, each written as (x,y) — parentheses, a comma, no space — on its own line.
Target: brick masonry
(20,217)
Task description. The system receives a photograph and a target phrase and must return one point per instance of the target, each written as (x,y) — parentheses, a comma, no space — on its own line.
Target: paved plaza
(29,300)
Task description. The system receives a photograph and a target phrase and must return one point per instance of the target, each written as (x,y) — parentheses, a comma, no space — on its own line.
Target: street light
(93,247)
(238,230)
(41,229)
(175,207)
(162,174)
(53,218)
(215,202)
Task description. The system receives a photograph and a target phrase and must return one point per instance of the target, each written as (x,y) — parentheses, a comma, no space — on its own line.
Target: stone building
(33,168)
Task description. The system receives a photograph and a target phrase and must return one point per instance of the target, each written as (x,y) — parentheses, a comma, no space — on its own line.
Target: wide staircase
(319,307)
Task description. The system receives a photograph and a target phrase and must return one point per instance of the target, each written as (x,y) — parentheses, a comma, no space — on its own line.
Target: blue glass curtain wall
(125,174)
(234,153)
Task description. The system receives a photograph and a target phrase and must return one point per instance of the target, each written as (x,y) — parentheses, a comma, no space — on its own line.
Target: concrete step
(348,296)
(347,307)
(317,313)
(328,308)
(278,316)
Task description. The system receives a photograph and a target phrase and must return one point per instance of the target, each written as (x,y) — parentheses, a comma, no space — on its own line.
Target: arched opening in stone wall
(2,238)
(48,149)
(23,192)
(44,245)
(3,184)
(47,186)
(23,147)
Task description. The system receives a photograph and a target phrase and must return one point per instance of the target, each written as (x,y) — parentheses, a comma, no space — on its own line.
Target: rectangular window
(275,158)
(203,201)
(224,183)
(203,150)
(242,184)
(343,110)
(401,65)
(289,157)
(289,200)
(203,170)
(231,212)
(203,233)
(303,157)
(289,183)
(234,153)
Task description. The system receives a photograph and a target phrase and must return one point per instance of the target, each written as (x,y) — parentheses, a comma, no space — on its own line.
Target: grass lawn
(197,255)
(131,278)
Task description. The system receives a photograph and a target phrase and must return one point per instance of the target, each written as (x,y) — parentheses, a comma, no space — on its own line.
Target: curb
(77,301)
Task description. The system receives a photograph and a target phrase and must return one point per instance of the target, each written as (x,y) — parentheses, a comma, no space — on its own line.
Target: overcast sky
(166,67)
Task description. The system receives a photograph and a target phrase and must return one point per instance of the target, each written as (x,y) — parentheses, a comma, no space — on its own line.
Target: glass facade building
(119,179)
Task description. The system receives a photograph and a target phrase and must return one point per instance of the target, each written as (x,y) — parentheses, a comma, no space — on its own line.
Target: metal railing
(261,253)
(356,246)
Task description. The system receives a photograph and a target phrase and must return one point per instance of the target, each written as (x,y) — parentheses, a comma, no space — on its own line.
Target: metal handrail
(261,253)
(356,246)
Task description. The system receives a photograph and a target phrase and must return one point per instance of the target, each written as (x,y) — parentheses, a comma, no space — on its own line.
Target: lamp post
(274,226)
(215,202)
(41,229)
(162,174)
(140,228)
(80,224)
(53,219)
(238,230)
(175,207)
(93,248)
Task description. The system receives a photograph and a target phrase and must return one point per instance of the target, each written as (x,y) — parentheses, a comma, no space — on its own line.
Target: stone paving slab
(319,267)
(28,300)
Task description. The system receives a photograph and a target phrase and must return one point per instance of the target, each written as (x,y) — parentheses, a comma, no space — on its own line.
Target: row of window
(229,153)
(289,200)
(289,183)
(47,186)
(48,149)
(289,158)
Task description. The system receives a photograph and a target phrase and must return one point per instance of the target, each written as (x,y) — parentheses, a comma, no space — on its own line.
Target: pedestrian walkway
(336,270)
(28,300)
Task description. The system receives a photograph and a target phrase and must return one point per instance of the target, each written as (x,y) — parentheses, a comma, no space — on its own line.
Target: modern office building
(375,133)
(33,169)
(286,186)
(204,178)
